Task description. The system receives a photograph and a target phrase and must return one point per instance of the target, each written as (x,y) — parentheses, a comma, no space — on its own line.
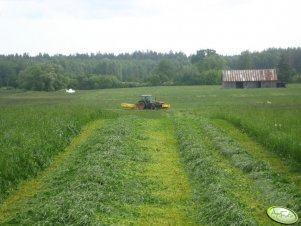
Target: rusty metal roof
(249,75)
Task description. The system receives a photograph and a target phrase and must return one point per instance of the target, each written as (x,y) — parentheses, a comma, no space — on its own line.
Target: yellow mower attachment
(128,106)
(165,105)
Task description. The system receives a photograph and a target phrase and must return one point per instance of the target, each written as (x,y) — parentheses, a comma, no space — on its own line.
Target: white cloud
(69,26)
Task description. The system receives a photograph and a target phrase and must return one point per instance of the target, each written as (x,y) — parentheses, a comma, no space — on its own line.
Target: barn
(265,78)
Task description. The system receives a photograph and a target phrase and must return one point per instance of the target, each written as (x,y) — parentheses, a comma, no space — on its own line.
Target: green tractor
(148,102)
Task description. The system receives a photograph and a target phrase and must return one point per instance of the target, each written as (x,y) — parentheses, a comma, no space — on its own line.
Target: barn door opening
(259,85)
(239,85)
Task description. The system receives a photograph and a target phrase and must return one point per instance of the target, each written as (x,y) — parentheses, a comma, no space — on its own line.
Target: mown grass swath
(276,127)
(277,189)
(211,191)
(231,186)
(101,184)
(31,135)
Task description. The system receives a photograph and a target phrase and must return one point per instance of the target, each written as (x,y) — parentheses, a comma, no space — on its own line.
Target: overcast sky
(118,26)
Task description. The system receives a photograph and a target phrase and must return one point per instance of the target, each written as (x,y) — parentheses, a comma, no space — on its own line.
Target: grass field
(217,157)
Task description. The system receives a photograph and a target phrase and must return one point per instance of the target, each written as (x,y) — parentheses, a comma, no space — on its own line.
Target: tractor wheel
(141,105)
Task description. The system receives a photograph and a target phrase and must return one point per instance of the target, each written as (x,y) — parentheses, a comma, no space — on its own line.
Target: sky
(120,26)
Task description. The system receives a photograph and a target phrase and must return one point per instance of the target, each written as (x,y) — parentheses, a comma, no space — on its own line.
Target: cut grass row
(96,184)
(276,188)
(124,174)
(232,186)
(212,189)
(276,127)
(29,188)
(285,167)
(31,135)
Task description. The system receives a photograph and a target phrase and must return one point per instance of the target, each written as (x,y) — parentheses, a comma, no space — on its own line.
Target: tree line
(93,71)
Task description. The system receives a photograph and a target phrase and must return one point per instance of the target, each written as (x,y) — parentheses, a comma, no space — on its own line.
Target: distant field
(227,153)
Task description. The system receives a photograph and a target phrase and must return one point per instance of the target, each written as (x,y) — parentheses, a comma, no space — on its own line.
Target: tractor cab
(147,98)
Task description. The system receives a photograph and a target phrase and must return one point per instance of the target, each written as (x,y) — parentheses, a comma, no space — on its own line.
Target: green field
(217,157)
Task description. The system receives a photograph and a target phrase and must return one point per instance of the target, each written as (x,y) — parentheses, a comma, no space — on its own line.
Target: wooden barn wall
(229,85)
(251,85)
(262,84)
(268,84)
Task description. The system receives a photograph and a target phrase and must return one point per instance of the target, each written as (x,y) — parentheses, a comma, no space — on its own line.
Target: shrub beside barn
(265,78)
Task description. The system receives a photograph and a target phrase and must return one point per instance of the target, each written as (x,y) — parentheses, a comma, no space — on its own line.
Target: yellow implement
(129,106)
(165,105)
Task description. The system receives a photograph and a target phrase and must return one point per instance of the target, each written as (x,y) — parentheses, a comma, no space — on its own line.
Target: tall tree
(42,77)
(8,73)
(166,70)
(285,71)
(201,54)
(245,60)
